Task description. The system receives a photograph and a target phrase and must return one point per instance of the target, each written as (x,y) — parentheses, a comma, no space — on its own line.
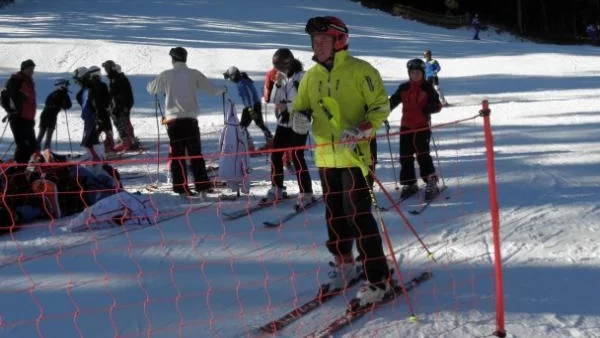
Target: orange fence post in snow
(494,210)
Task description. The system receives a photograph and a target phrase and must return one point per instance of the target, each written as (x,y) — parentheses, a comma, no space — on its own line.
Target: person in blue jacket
(432,68)
(252,106)
(476,25)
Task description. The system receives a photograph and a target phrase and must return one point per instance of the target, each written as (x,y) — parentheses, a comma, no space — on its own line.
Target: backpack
(5,100)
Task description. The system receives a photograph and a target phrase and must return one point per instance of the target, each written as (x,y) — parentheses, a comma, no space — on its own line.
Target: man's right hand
(10,115)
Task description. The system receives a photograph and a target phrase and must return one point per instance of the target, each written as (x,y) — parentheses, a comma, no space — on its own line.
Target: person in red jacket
(270,80)
(419,100)
(21,114)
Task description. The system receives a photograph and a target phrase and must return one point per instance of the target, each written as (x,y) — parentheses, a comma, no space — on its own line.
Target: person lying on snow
(42,190)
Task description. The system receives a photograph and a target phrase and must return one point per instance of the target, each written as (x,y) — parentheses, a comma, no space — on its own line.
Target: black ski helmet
(178,54)
(282,60)
(61,83)
(109,66)
(416,64)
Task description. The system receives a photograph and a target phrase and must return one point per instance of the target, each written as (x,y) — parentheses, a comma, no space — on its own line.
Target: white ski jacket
(284,91)
(233,162)
(180,85)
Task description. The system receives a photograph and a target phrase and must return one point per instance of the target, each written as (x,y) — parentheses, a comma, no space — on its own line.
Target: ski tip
(271,224)
(270,328)
(426,275)
(414,212)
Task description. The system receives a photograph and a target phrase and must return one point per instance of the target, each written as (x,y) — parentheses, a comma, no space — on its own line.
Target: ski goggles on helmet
(322,24)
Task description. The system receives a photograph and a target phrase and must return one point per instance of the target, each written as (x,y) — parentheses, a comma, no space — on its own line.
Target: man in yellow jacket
(343,100)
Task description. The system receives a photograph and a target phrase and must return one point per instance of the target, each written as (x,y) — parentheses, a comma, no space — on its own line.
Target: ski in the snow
(297,211)
(355,312)
(323,295)
(262,204)
(132,175)
(115,223)
(425,204)
(398,201)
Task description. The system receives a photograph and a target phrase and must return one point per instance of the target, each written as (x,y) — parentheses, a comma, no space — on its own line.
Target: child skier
(252,106)
(55,102)
(419,100)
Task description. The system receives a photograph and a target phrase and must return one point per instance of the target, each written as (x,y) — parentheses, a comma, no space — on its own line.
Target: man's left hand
(352,135)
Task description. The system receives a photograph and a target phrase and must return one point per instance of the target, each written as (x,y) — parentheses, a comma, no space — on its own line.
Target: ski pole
(69,133)
(156,111)
(385,235)
(387,134)
(4,131)
(55,139)
(8,149)
(437,158)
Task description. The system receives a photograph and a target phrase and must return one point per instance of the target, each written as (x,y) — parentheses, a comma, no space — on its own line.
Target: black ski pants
(122,120)
(184,136)
(415,143)
(256,116)
(47,127)
(285,137)
(24,135)
(349,218)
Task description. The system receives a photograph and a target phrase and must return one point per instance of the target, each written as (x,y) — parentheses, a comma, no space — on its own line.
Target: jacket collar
(179,64)
(338,59)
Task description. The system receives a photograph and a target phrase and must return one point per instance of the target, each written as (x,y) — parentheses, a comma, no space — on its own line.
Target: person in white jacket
(290,73)
(180,85)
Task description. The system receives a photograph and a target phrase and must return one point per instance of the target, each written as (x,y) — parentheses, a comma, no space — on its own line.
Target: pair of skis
(426,203)
(275,223)
(262,204)
(352,313)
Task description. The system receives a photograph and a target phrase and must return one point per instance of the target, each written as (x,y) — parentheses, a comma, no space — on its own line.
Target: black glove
(250,111)
(284,117)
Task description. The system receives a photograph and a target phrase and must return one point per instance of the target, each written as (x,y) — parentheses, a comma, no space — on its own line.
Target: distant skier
(252,107)
(122,101)
(100,105)
(476,25)
(20,104)
(432,68)
(56,101)
(88,98)
(592,34)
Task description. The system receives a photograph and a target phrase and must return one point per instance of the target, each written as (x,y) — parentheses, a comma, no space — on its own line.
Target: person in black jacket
(122,101)
(101,103)
(55,102)
(21,108)
(93,99)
